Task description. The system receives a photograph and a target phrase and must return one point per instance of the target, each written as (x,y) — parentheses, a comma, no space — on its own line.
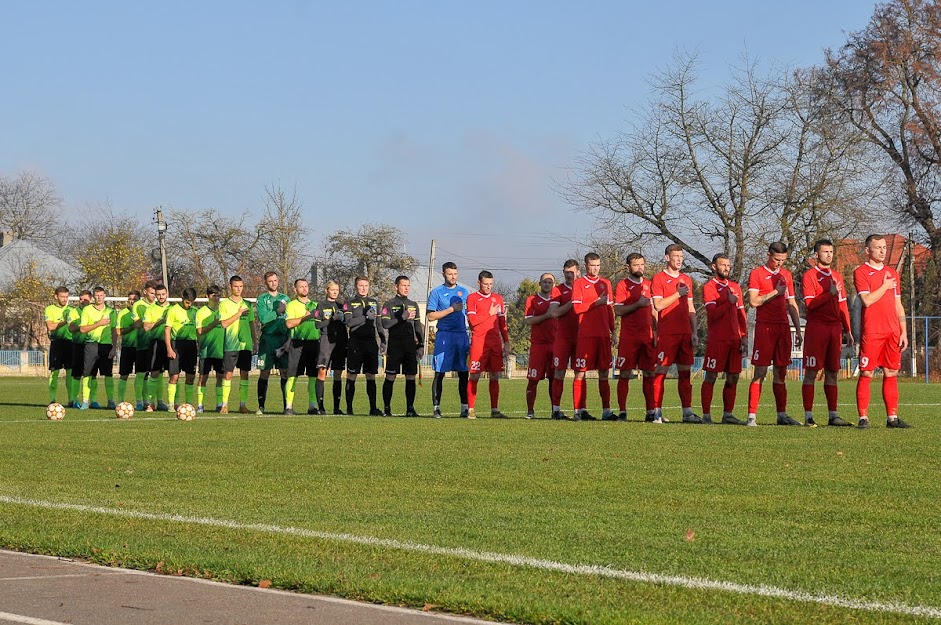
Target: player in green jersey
(155,316)
(211,337)
(60,342)
(78,349)
(179,336)
(302,316)
(143,356)
(98,325)
(240,341)
(127,337)
(272,344)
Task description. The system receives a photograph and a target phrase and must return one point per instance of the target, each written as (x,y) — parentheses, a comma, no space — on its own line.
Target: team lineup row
(572,326)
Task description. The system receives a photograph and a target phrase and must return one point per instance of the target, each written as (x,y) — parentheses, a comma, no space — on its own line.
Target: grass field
(482,517)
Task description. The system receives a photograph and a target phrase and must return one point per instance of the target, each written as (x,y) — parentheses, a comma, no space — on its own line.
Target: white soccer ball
(185,412)
(55,411)
(124,410)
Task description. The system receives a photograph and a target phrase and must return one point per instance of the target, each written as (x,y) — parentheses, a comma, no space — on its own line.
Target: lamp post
(161,237)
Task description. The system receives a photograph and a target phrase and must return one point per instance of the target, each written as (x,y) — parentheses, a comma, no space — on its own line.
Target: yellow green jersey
(238,336)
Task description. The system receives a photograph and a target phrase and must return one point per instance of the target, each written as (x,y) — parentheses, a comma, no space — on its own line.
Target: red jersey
(566,326)
(822,305)
(674,319)
(543,332)
(762,281)
(879,318)
(487,327)
(726,320)
(640,322)
(593,320)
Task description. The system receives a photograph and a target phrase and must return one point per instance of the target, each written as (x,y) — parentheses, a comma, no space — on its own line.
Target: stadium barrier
(27,362)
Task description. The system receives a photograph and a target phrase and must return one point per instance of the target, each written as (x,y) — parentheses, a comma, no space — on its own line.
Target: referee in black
(360,313)
(406,345)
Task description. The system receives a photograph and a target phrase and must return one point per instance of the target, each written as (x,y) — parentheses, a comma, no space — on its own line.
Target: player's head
(546,282)
(362,285)
(99,294)
(236,285)
(84,297)
(824,251)
(449,271)
(332,289)
(149,291)
(485,282)
(777,255)
(272,281)
(213,293)
(188,297)
(62,295)
(876,248)
(721,266)
(161,292)
(570,271)
(592,264)
(301,287)
(132,297)
(674,255)
(402,286)
(636,264)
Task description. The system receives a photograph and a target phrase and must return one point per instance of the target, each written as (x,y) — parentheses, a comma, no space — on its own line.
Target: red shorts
(635,354)
(563,352)
(593,353)
(772,345)
(723,356)
(674,348)
(486,357)
(823,343)
(540,362)
(880,351)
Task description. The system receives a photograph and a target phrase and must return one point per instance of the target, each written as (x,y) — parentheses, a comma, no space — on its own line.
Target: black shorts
(402,357)
(128,359)
(302,358)
(60,354)
(144,359)
(332,355)
(78,359)
(186,355)
(241,360)
(362,355)
(95,360)
(159,360)
(208,365)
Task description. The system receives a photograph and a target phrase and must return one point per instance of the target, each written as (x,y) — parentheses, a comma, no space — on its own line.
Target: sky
(453,121)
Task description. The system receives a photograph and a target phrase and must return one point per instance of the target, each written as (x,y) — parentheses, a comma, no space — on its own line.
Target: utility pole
(161,237)
(431,265)
(911,305)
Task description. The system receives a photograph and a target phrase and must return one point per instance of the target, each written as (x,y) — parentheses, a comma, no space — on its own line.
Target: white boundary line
(594,570)
(27,620)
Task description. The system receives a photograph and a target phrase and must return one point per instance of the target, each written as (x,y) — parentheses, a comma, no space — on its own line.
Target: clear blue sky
(447,119)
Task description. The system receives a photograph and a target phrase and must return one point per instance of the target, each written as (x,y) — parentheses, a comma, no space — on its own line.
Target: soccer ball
(55,411)
(124,410)
(185,412)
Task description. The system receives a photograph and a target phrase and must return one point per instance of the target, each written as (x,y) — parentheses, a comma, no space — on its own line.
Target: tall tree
(376,251)
(112,252)
(30,207)
(282,230)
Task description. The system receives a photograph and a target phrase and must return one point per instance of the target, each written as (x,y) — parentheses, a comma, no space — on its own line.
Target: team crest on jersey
(461,293)
(346,306)
(385,311)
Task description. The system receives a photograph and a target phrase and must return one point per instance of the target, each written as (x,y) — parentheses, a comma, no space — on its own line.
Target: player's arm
(266,310)
(871,297)
(559,310)
(167,341)
(293,320)
(321,320)
(388,319)
(714,304)
(693,321)
(52,326)
(350,317)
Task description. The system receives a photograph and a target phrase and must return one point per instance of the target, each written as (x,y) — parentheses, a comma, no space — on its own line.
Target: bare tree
(282,234)
(30,207)
(376,251)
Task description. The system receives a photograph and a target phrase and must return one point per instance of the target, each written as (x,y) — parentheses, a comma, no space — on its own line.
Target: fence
(15,362)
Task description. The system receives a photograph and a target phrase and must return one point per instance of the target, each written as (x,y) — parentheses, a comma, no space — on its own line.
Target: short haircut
(85,292)
(61,289)
(547,275)
(448,265)
(135,293)
(234,279)
(821,243)
(268,274)
(778,247)
(359,279)
(213,289)
(570,263)
(591,256)
(673,247)
(633,256)
(720,256)
(160,287)
(330,283)
(400,278)
(485,275)
(189,294)
(150,284)
(300,280)
(99,289)
(873,237)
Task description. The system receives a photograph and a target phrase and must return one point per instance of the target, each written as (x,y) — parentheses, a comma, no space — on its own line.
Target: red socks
(685,387)
(890,393)
(657,389)
(623,386)
(494,393)
(471,392)
(862,395)
(579,393)
(705,394)
(604,389)
(555,391)
(807,392)
(830,391)
(531,394)
(754,396)
(780,397)
(728,397)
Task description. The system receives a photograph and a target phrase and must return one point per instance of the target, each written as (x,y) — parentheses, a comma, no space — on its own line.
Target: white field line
(27,620)
(32,577)
(593,570)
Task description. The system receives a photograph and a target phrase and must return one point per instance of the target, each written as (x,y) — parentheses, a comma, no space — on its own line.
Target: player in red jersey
(632,304)
(566,330)
(828,318)
(677,331)
(883,332)
(541,336)
(592,300)
(727,340)
(490,342)
(771,292)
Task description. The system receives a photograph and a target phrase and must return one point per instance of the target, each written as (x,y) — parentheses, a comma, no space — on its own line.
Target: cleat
(223,410)
(95,405)
(321,409)
(585,416)
(622,416)
(199,409)
(707,419)
(649,416)
(313,411)
(219,408)
(530,415)
(244,410)
(838,422)
(140,406)
(664,419)
(83,406)
(863,423)
(387,412)
(162,407)
(337,412)
(471,414)
(657,420)
(437,414)
(375,412)
(558,415)
(111,404)
(71,404)
(728,419)
(786,420)
(411,413)
(465,413)
(148,407)
(260,411)
(810,423)
(496,414)
(896,423)
(607,415)
(752,422)
(692,418)
(289,411)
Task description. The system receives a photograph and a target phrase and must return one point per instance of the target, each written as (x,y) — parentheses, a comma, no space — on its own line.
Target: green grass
(831,511)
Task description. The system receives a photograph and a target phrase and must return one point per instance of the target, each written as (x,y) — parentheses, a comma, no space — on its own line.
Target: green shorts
(268,358)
